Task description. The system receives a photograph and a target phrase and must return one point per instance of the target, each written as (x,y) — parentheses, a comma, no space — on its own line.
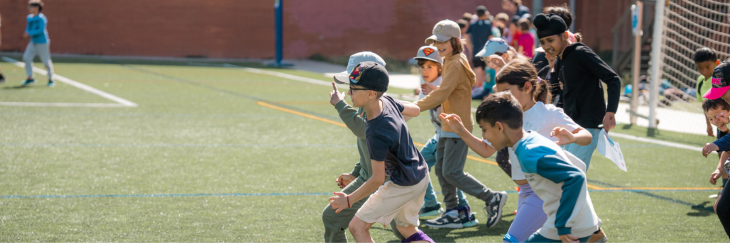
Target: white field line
(79,85)
(50,104)
(325,83)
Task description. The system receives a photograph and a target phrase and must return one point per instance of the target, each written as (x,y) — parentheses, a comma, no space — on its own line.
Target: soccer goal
(684,26)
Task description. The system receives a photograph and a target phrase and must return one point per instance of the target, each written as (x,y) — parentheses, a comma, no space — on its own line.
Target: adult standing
(35,29)
(515,6)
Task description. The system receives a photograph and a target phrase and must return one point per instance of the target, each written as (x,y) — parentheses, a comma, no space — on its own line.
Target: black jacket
(581,72)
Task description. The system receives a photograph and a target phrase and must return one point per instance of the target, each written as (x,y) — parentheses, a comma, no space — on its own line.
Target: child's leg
(722,208)
(530,217)
(454,158)
(429,154)
(447,189)
(360,230)
(462,198)
(44,53)
(28,56)
(584,153)
(336,223)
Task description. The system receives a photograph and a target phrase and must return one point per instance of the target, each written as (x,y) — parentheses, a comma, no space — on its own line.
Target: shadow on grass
(449,235)
(701,210)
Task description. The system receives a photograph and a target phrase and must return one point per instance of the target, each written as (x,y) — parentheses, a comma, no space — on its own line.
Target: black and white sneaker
(449,219)
(494,208)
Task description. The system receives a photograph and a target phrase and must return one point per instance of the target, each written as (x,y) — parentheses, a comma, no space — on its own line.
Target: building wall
(244,29)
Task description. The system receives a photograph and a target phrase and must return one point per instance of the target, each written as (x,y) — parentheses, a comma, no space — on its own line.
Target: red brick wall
(244,29)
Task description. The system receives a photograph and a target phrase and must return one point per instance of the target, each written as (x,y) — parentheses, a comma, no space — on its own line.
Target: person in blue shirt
(35,29)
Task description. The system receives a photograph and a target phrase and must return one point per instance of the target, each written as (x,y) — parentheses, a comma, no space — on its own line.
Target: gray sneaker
(494,208)
(450,219)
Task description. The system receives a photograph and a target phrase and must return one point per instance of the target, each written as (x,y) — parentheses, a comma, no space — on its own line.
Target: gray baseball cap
(492,46)
(430,53)
(443,31)
(355,59)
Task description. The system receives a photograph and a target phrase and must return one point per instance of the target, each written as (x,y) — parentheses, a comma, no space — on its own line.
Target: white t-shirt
(542,119)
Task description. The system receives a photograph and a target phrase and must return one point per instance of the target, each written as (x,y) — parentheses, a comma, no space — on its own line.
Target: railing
(623,38)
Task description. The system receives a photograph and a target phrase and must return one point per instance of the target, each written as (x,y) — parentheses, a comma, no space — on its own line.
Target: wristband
(348,201)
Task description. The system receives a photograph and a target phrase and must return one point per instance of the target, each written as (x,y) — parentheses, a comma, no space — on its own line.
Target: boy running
(392,151)
(39,42)
(556,177)
(720,85)
(336,223)
(706,60)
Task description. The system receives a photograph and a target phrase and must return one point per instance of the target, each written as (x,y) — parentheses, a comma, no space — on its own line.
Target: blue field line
(263,194)
(143,145)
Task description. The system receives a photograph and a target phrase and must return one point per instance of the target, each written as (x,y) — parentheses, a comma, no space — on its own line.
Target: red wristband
(348,201)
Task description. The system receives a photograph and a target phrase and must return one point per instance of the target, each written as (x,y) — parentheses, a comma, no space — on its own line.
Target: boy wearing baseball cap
(335,224)
(430,67)
(720,85)
(454,95)
(391,151)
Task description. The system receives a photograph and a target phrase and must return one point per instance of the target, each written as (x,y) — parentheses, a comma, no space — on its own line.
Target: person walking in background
(35,29)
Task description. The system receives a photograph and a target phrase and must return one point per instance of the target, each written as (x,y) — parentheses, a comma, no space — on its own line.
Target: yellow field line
(594,187)
(343,125)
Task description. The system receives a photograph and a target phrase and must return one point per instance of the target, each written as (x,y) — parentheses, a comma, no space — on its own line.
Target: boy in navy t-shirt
(392,152)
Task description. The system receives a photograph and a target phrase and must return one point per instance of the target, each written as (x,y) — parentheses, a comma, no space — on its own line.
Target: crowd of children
(542,120)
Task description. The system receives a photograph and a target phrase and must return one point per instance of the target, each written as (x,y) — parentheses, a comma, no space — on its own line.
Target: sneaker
(2,78)
(714,196)
(51,83)
(598,237)
(494,208)
(28,81)
(472,222)
(430,211)
(449,219)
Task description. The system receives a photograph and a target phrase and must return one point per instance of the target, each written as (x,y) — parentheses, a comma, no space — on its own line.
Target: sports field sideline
(220,154)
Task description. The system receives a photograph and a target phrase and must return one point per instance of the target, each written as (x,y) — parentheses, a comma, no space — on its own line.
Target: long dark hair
(520,71)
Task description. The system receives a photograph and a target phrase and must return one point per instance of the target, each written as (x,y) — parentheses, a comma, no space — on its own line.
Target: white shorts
(392,201)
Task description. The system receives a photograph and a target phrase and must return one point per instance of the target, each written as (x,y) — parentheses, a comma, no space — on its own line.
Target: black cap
(370,75)
(481,10)
(722,74)
(548,25)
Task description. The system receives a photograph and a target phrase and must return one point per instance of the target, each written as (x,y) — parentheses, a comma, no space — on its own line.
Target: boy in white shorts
(391,151)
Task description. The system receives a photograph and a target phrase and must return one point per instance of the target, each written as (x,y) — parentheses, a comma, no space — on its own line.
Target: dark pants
(723,209)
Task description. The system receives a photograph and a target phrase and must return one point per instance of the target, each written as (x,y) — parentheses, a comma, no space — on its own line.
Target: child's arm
(342,200)
(709,127)
(599,68)
(579,136)
(410,109)
(720,168)
(39,29)
(347,113)
(558,170)
(449,83)
(477,145)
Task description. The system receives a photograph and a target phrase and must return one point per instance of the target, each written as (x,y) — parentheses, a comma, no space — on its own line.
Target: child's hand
(344,180)
(496,62)
(709,147)
(427,88)
(722,118)
(339,202)
(335,95)
(453,121)
(567,238)
(564,136)
(550,59)
(714,176)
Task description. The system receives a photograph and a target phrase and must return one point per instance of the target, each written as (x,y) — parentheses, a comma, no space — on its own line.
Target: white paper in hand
(611,150)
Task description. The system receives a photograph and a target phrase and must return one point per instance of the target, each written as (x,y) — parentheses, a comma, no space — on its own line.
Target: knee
(356,228)
(453,175)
